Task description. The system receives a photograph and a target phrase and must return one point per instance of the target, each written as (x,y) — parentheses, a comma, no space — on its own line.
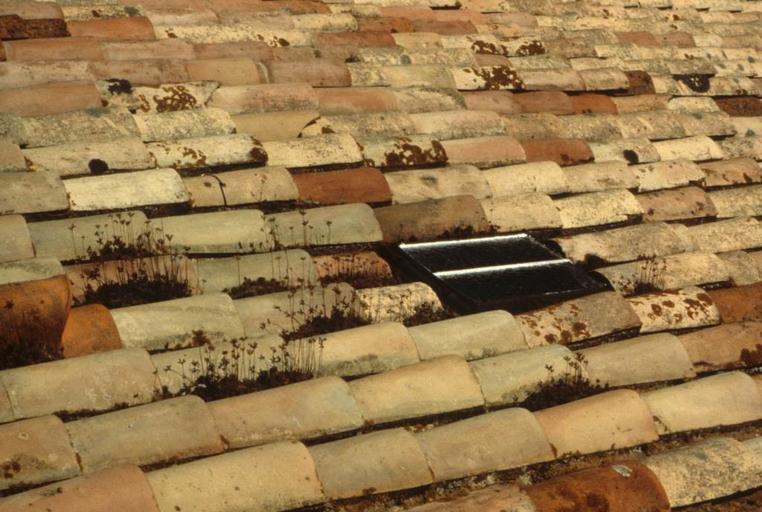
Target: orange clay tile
(38,100)
(483,152)
(363,185)
(637,38)
(40,306)
(593,104)
(551,102)
(640,83)
(89,329)
(386,24)
(136,28)
(741,106)
(13,26)
(625,487)
(562,151)
(497,101)
(740,303)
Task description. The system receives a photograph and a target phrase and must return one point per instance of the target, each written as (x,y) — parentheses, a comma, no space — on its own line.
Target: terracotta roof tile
(726,346)
(117,191)
(89,329)
(265,98)
(403,152)
(355,100)
(43,446)
(277,476)
(625,485)
(712,468)
(431,219)
(124,488)
(484,152)
(421,93)
(270,126)
(304,415)
(738,304)
(363,185)
(135,28)
(723,399)
(31,10)
(512,377)
(599,422)
(469,447)
(329,225)
(526,211)
(578,319)
(152,432)
(13,26)
(562,151)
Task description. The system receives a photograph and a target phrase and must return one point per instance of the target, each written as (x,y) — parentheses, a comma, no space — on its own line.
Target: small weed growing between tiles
(650,278)
(25,338)
(242,366)
(129,268)
(563,388)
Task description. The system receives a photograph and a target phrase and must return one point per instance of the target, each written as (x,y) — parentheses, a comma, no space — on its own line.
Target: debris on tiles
(402,254)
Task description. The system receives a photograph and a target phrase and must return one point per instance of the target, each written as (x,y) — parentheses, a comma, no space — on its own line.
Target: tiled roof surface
(199,312)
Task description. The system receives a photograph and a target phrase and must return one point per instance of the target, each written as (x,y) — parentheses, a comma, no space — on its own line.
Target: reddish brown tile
(13,26)
(739,304)
(497,101)
(552,102)
(34,311)
(625,487)
(593,104)
(136,28)
(39,100)
(640,83)
(740,106)
(363,185)
(89,329)
(484,152)
(385,24)
(638,38)
(561,151)
(675,38)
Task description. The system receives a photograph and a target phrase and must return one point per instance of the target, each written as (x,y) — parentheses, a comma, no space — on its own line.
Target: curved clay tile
(33,311)
(624,487)
(89,329)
